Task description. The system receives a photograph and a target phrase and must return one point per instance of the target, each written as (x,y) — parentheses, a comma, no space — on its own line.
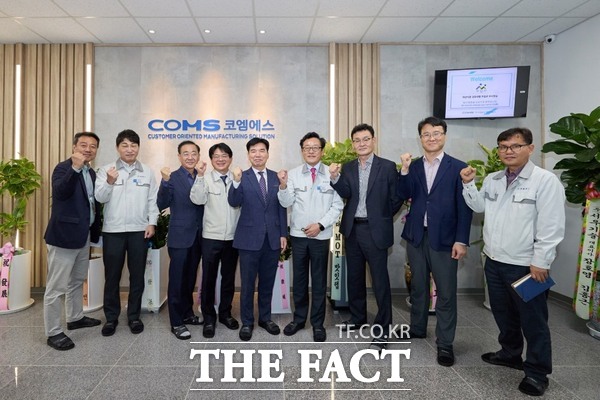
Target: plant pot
(93,287)
(19,281)
(281,302)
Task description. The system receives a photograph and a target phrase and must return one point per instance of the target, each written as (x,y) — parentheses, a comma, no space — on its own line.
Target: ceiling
(288,21)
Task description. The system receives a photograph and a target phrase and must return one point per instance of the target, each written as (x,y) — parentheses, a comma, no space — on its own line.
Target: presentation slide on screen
(484,93)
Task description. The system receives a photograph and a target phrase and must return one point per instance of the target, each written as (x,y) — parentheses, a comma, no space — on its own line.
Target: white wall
(571,85)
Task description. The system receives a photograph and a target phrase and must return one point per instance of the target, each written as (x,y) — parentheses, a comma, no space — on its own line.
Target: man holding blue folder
(524,222)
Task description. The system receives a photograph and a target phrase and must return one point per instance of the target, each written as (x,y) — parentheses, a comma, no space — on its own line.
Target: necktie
(224,179)
(263,185)
(313,174)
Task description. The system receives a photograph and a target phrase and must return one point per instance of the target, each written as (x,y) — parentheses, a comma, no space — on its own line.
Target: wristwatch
(321,227)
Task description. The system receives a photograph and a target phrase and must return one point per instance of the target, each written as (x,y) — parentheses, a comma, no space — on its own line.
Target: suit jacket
(69,223)
(258,218)
(448,216)
(382,199)
(186,217)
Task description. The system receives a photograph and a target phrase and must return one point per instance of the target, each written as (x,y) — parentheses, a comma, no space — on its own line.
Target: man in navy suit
(368,184)
(74,222)
(260,236)
(436,232)
(184,238)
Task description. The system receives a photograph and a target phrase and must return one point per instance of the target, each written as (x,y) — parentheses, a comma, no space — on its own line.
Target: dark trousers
(115,247)
(310,256)
(213,253)
(423,262)
(262,263)
(516,319)
(360,249)
(183,270)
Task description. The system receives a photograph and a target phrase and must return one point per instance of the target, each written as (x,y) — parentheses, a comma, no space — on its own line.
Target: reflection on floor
(155,365)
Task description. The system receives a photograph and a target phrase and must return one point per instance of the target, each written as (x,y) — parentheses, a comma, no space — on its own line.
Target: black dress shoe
(109,328)
(208,331)
(85,322)
(269,326)
(136,326)
(246,332)
(229,322)
(319,334)
(413,335)
(192,320)
(445,357)
(494,358)
(532,387)
(292,328)
(348,324)
(378,344)
(60,342)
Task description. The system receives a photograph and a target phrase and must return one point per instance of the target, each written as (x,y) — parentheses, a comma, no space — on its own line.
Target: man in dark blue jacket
(436,231)
(74,223)
(260,236)
(184,238)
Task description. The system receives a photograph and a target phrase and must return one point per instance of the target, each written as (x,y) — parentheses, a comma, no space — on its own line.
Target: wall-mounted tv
(499,92)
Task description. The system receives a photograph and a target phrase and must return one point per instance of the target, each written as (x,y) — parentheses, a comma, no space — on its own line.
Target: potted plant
(482,170)
(157,267)
(341,153)
(19,180)
(580,143)
(281,298)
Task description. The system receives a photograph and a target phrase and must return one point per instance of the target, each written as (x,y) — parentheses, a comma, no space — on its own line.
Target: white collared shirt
(311,202)
(220,219)
(129,203)
(524,222)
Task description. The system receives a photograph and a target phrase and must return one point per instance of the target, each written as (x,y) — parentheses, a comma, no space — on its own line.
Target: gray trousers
(424,261)
(67,270)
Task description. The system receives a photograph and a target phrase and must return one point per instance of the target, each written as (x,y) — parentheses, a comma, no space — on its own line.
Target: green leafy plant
(339,152)
(19,179)
(581,140)
(287,253)
(484,168)
(162,229)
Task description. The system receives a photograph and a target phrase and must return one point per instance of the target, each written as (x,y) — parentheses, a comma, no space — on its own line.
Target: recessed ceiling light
(331,16)
(262,31)
(89,17)
(207,31)
(152,31)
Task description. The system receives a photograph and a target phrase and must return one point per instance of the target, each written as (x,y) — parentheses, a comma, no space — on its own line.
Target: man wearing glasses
(368,184)
(524,223)
(315,208)
(436,232)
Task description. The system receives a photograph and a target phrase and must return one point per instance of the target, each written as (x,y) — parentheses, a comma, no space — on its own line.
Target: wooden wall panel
(357,86)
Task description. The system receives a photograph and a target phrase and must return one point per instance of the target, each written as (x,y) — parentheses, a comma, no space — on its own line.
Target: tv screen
(499,92)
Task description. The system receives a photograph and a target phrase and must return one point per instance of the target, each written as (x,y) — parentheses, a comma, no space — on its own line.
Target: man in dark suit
(436,232)
(184,238)
(260,236)
(369,186)
(74,222)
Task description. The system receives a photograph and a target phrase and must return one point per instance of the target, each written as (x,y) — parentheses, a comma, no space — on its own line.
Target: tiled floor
(155,365)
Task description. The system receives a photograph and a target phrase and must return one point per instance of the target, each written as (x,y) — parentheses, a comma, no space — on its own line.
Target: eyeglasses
(308,149)
(364,140)
(432,135)
(220,156)
(515,148)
